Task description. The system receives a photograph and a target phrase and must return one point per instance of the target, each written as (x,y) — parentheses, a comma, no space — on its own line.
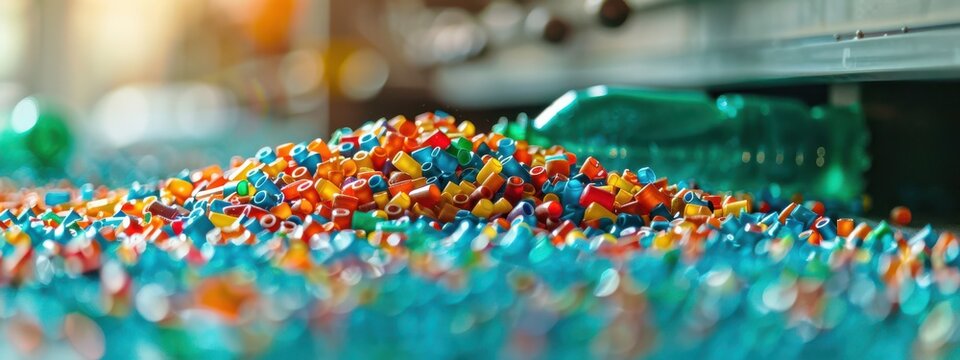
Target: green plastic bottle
(35,136)
(734,142)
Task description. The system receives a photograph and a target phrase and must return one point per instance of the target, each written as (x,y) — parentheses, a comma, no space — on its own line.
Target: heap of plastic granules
(423,239)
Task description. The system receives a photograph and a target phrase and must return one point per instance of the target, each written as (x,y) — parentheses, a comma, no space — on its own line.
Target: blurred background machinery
(144,88)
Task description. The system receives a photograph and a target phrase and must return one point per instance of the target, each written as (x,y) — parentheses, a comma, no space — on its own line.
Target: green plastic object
(35,136)
(734,142)
(365,221)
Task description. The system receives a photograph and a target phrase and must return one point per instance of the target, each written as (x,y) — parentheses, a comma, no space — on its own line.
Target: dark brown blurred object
(613,13)
(556,30)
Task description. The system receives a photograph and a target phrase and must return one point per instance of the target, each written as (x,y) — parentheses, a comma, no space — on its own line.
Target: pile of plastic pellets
(422,238)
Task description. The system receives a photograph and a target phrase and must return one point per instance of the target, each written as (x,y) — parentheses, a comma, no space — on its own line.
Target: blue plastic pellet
(56,197)
(368,142)
(506,147)
(266,155)
(347,149)
(645,175)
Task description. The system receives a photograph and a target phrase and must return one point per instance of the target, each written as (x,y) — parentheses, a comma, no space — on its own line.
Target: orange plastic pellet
(282,211)
(816,206)
(180,188)
(786,212)
(346,202)
(426,196)
(558,167)
(901,215)
(859,232)
(649,197)
(844,227)
(342,217)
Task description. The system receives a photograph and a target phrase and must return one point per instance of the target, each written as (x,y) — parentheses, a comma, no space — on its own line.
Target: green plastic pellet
(52,216)
(243,188)
(462,143)
(877,235)
(365,221)
(390,226)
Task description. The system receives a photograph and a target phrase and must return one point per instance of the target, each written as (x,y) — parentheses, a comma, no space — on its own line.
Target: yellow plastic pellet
(620,183)
(363,160)
(694,209)
(663,241)
(596,211)
(402,200)
(492,166)
(483,209)
(276,167)
(489,231)
(404,162)
(467,187)
(467,128)
(326,189)
(221,219)
(451,188)
(613,178)
(106,206)
(735,207)
(381,198)
(623,197)
(502,206)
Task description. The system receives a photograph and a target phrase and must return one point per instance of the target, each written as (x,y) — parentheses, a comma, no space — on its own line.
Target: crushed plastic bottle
(737,142)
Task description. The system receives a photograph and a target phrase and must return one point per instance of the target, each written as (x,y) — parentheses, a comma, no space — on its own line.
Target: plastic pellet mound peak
(424,239)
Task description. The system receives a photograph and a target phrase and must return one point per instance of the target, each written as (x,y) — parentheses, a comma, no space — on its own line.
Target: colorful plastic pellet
(403,162)
(549,210)
(901,215)
(159,209)
(595,195)
(368,142)
(492,166)
(56,197)
(646,176)
(426,196)
(649,197)
(483,209)
(438,140)
(506,146)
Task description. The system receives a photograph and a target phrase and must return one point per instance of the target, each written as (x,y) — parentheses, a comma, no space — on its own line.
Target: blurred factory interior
(183,83)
